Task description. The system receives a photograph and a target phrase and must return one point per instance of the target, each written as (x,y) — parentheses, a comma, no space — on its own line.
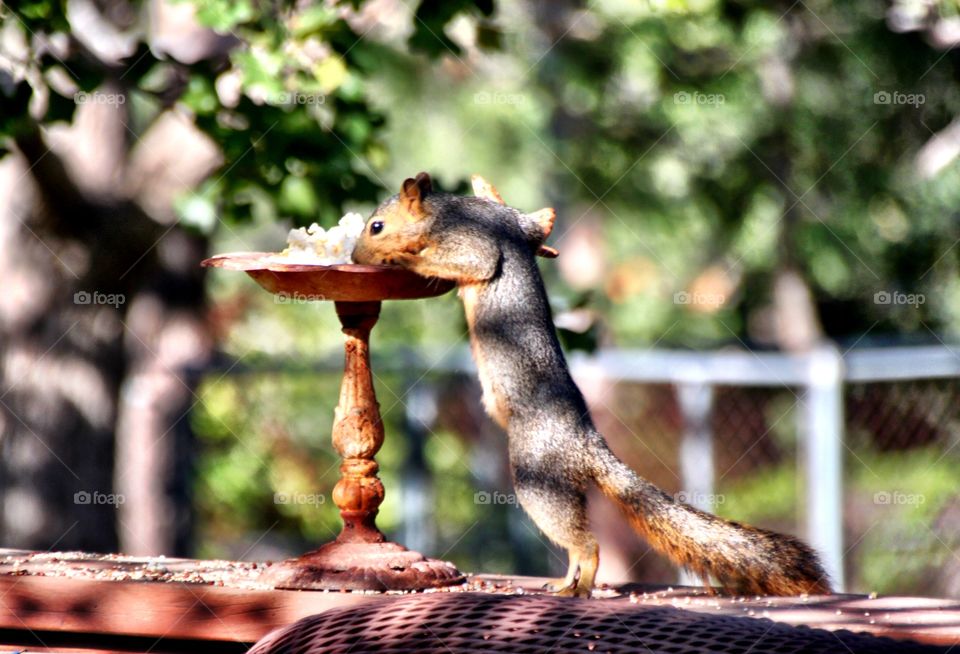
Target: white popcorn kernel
(318,246)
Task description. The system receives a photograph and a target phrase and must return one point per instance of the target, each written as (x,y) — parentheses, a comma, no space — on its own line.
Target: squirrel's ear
(412,193)
(543,219)
(484,189)
(537,226)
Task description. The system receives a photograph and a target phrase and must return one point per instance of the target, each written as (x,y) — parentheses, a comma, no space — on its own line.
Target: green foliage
(765,496)
(902,496)
(266,439)
(287,104)
(431,19)
(893,501)
(295,127)
(726,136)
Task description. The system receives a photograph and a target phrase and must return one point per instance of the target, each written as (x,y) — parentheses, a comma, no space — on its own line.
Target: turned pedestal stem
(358,429)
(360,558)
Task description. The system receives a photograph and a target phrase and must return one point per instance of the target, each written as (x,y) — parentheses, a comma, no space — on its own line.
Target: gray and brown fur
(555,451)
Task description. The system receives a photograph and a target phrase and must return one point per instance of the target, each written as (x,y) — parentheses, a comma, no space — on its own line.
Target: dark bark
(111,303)
(63,365)
(167,342)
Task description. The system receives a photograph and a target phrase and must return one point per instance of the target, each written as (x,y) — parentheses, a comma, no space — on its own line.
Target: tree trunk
(167,343)
(101,300)
(62,364)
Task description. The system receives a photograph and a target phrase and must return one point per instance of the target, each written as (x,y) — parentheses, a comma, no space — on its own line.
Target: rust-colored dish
(347,282)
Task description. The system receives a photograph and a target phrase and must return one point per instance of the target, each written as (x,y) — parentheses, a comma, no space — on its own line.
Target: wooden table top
(85,602)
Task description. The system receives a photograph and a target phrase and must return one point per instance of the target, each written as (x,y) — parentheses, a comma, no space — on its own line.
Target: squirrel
(489,249)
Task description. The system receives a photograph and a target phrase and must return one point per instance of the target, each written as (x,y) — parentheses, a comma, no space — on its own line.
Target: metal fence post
(696,453)
(420,414)
(822,429)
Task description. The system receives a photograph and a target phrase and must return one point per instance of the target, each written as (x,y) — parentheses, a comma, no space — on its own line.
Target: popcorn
(318,246)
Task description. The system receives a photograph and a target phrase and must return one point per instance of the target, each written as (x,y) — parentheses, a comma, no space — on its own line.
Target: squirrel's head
(448,236)
(399,226)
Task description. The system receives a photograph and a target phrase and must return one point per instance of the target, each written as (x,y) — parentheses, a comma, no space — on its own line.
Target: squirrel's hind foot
(580,574)
(556,585)
(575,590)
(564,587)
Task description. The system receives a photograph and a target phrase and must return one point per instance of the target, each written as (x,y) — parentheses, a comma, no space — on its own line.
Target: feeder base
(362,566)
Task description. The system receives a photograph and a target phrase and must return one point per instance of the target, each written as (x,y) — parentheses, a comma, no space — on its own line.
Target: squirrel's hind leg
(556,585)
(584,561)
(558,506)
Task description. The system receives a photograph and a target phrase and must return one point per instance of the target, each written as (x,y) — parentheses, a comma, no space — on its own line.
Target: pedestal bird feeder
(360,558)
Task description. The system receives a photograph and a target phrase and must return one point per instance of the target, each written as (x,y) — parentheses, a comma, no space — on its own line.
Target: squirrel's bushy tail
(743,559)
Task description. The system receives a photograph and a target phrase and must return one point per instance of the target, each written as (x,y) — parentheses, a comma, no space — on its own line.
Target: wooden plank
(71,643)
(167,610)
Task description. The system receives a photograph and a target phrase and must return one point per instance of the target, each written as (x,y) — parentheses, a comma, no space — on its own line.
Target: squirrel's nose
(361,254)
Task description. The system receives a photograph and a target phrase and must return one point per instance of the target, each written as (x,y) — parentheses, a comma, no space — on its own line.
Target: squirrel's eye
(376,227)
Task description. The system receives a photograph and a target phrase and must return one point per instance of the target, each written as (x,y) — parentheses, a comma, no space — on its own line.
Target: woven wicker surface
(525,624)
